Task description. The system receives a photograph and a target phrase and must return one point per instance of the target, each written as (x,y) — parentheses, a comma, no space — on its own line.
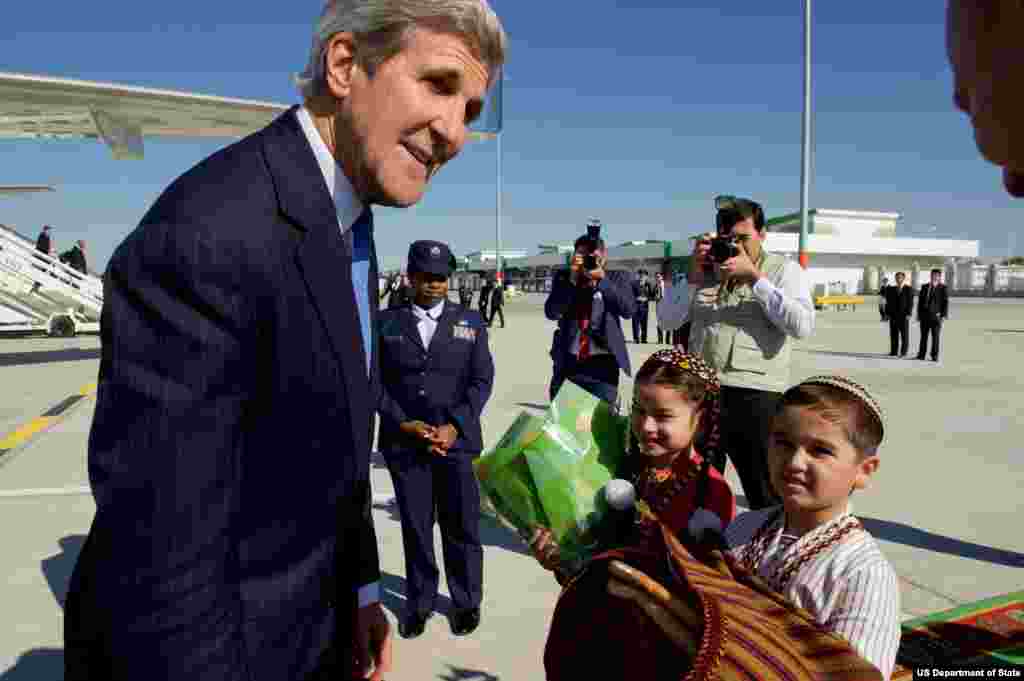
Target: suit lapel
(324,257)
(409,325)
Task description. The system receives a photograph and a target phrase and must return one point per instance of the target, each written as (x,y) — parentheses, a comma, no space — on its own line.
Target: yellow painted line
(22,434)
(26,432)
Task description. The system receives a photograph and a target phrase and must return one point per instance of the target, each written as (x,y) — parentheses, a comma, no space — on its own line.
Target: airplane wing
(24,188)
(40,107)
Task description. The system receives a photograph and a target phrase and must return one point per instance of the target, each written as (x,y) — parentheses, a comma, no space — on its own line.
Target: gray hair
(381,28)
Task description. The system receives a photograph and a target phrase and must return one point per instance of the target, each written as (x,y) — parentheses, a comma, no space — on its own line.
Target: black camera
(723,248)
(590,262)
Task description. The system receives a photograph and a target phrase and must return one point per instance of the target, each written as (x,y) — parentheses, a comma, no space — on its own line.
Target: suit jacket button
(423,392)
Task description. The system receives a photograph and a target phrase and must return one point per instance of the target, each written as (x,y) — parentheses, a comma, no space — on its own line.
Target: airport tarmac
(944,505)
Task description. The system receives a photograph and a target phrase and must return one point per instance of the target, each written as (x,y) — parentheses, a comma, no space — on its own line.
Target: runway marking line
(21,435)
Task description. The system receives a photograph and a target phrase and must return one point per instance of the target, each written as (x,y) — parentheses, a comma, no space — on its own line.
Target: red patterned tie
(584,308)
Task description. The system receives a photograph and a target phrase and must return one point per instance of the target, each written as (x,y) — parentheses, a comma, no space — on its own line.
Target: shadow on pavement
(911,536)
(492,532)
(856,355)
(12,359)
(57,569)
(462,674)
(41,664)
(392,596)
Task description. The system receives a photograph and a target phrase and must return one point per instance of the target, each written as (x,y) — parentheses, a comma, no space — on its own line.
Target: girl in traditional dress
(823,445)
(675,431)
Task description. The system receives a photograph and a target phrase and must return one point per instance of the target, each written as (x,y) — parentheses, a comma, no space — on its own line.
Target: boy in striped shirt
(823,444)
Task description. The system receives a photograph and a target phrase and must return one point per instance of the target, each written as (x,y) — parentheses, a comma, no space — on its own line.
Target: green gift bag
(549,471)
(505,477)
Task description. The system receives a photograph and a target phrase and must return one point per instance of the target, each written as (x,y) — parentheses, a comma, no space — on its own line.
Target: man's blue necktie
(362,236)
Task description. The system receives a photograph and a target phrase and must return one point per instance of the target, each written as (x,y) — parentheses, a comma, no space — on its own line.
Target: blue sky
(634,112)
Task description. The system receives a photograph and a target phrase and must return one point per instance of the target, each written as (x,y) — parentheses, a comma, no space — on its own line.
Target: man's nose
(450,133)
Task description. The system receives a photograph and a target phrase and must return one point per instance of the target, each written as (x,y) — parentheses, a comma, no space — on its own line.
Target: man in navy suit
(899,307)
(589,302)
(229,452)
(932,310)
(436,377)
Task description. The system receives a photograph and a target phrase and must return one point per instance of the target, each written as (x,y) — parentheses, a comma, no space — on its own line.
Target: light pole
(805,170)
(498,273)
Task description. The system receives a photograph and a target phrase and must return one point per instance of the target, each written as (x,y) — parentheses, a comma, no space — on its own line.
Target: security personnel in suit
(497,304)
(643,293)
(589,303)
(932,310)
(899,306)
(436,377)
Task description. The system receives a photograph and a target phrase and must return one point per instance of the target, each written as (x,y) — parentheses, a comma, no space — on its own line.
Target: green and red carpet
(988,634)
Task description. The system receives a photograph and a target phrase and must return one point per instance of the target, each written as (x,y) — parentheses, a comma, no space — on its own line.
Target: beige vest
(732,333)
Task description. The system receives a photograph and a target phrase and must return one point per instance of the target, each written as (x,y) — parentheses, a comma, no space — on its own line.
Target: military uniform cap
(432,257)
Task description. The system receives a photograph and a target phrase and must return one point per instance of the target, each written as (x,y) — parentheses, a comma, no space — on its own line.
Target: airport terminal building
(850,251)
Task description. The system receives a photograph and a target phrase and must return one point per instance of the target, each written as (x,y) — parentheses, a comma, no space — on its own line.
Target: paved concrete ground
(945,503)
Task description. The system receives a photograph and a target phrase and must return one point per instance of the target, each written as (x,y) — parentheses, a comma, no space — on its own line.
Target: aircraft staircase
(48,295)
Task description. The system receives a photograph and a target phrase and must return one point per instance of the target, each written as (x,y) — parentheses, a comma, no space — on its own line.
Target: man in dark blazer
(484,304)
(43,243)
(229,452)
(899,306)
(589,302)
(437,375)
(643,294)
(932,310)
(497,304)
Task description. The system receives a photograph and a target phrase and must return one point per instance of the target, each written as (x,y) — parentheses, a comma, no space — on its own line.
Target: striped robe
(849,587)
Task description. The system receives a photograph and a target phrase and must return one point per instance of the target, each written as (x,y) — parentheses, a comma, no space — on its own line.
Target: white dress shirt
(348,208)
(787,300)
(426,320)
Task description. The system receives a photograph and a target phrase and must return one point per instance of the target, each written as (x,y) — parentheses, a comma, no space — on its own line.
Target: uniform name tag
(464,333)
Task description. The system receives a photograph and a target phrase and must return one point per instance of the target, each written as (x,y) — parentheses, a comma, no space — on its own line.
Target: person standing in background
(643,293)
(43,243)
(436,376)
(899,306)
(484,304)
(497,305)
(932,311)
(589,304)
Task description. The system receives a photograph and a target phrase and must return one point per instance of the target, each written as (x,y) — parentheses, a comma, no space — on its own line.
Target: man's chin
(1013,181)
(402,196)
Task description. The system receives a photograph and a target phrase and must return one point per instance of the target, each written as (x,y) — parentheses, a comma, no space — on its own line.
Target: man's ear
(340,64)
(865,469)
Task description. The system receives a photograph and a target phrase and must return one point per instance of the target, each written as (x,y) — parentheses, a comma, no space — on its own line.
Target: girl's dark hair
(859,423)
(689,386)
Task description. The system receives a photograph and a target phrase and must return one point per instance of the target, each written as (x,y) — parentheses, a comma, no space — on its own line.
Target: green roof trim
(788,218)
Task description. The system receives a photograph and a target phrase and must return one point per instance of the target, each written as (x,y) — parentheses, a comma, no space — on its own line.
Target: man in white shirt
(229,545)
(742,324)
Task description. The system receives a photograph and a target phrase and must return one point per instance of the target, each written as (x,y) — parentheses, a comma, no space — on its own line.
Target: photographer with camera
(748,306)
(589,302)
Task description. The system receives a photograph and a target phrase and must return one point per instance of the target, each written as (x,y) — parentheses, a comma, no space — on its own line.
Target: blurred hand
(702,250)
(544,548)
(576,266)
(418,429)
(741,268)
(442,440)
(373,641)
